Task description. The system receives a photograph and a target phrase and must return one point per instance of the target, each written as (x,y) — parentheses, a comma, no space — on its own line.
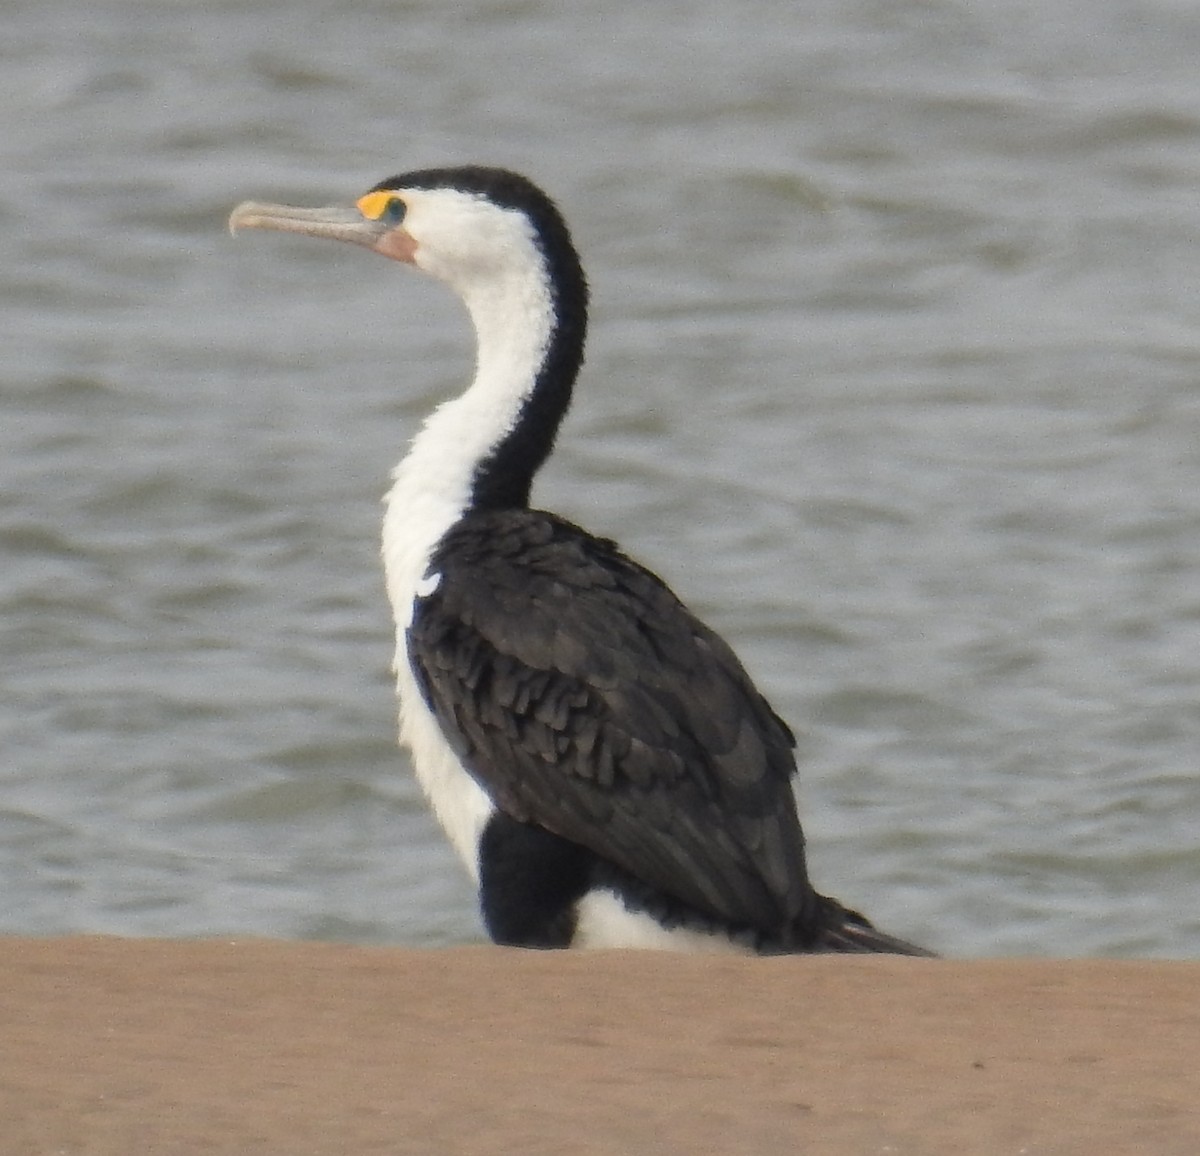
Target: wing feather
(586,699)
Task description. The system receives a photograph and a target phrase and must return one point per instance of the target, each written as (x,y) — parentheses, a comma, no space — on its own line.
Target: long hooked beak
(337,222)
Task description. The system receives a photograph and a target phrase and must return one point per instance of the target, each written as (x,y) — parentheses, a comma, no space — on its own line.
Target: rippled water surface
(894,374)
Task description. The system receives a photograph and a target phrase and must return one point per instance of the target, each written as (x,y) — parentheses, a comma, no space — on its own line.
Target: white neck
(513,319)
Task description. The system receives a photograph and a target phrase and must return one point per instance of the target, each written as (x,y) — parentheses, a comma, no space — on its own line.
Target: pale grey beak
(338,223)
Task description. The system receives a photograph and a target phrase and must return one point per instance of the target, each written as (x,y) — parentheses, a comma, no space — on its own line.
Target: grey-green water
(894,374)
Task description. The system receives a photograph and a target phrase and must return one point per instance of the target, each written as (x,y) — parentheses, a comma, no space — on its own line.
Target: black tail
(838,929)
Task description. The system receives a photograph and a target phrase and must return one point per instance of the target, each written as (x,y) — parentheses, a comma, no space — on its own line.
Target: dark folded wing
(586,699)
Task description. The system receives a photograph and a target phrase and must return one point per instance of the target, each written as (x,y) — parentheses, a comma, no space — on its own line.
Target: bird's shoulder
(525,609)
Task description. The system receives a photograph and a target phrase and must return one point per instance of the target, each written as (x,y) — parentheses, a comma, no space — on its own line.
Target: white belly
(459,803)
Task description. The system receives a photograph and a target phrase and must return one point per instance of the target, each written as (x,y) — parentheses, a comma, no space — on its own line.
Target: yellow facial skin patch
(374,205)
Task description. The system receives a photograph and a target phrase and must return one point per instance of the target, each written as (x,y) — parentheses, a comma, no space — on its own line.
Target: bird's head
(468,226)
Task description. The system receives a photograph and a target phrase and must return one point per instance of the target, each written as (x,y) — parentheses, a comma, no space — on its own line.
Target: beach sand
(133,1047)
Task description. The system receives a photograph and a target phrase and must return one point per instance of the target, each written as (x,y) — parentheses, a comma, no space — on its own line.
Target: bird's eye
(382,206)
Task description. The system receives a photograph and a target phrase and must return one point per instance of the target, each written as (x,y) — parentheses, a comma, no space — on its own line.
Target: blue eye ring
(394,211)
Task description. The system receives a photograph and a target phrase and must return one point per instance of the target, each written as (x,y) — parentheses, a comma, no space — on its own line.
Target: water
(894,374)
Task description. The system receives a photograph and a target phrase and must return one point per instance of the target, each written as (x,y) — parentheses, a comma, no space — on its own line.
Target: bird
(597,756)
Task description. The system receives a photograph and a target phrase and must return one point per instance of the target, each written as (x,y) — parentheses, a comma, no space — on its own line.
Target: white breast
(414,522)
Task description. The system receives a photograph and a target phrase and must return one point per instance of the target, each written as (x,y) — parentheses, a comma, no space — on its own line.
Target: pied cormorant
(597,756)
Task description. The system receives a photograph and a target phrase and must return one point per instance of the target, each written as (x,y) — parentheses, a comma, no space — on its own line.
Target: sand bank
(142,1047)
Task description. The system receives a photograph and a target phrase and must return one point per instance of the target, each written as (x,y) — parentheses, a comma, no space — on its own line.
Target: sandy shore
(142,1047)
